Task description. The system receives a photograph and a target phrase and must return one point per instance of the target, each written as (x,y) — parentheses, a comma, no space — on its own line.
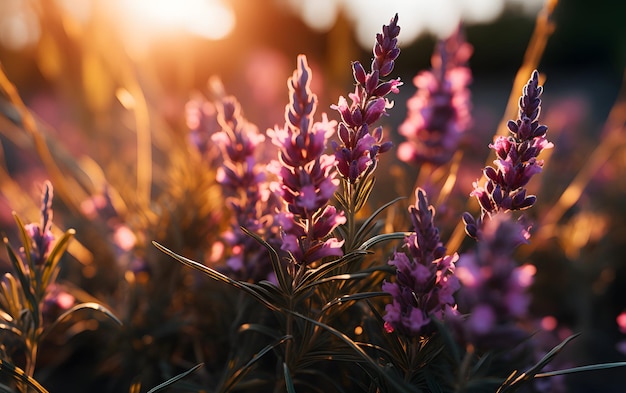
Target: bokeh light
(438,18)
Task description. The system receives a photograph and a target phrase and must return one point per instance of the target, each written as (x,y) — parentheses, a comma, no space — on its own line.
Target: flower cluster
(516,160)
(439,112)
(243,181)
(494,286)
(40,234)
(357,156)
(425,281)
(306,176)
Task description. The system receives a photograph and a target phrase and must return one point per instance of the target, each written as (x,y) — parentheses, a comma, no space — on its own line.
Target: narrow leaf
(281,274)
(250,289)
(175,379)
(363,229)
(53,259)
(26,243)
(591,367)
(382,238)
(86,306)
(352,344)
(19,375)
(248,366)
(24,278)
(530,373)
(355,296)
(288,380)
(319,272)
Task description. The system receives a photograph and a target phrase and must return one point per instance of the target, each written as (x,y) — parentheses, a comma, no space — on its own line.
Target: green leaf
(251,289)
(353,297)
(24,279)
(12,299)
(339,277)
(591,367)
(26,243)
(175,379)
(363,230)
(512,382)
(284,281)
(19,375)
(363,191)
(288,380)
(383,238)
(318,273)
(85,306)
(398,386)
(248,366)
(49,270)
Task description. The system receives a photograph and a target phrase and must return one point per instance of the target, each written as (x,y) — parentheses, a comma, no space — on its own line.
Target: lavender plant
(308,294)
(24,294)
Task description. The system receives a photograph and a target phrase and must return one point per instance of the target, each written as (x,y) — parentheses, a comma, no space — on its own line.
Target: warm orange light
(210,19)
(144,22)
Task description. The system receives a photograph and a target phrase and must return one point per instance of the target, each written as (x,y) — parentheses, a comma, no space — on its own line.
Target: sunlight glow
(210,19)
(19,26)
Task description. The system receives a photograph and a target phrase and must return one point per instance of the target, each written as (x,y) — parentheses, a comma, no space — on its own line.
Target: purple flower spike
(306,176)
(243,181)
(41,234)
(357,155)
(516,159)
(425,281)
(494,285)
(439,112)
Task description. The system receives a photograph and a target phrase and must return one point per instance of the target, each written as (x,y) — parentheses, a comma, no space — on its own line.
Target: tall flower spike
(425,281)
(41,234)
(358,153)
(306,176)
(243,181)
(516,160)
(439,112)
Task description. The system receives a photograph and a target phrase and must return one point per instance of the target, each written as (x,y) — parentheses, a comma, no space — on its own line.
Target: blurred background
(86,67)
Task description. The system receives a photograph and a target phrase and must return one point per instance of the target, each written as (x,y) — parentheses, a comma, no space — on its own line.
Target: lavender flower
(439,112)
(357,156)
(243,181)
(201,119)
(425,281)
(306,176)
(494,286)
(41,234)
(516,155)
